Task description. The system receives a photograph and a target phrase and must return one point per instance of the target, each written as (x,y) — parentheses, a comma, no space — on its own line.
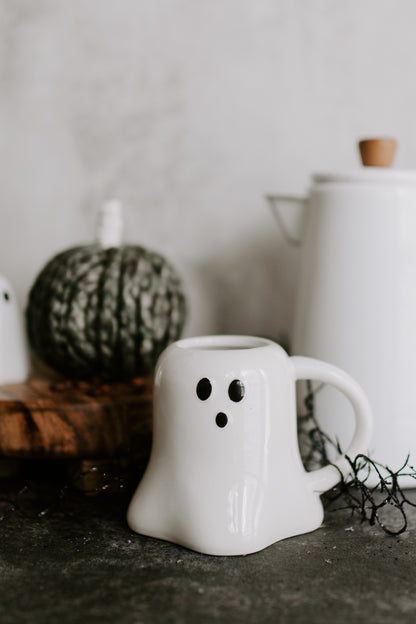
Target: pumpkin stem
(110,224)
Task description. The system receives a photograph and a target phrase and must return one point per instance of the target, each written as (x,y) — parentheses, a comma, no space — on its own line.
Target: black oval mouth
(221,419)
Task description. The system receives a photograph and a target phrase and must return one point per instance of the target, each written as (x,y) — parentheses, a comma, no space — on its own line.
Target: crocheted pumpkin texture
(108,313)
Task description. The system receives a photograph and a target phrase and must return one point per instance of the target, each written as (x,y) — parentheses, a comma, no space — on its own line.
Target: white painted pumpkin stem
(110,224)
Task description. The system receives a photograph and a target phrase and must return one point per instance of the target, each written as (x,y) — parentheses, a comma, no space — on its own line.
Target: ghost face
(236,391)
(13,353)
(215,411)
(6,295)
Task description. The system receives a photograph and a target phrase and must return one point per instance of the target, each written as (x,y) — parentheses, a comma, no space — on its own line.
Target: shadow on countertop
(69,558)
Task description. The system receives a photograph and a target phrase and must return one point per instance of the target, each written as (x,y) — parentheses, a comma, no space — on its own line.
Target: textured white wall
(190,112)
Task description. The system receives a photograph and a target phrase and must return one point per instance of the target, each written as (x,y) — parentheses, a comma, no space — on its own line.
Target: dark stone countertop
(79,562)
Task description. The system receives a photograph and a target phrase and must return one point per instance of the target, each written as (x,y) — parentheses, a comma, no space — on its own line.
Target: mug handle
(325,478)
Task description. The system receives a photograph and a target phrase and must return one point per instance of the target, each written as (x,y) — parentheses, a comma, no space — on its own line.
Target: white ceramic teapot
(356,305)
(14,361)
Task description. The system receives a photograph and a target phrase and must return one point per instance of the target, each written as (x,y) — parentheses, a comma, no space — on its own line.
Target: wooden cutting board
(47,418)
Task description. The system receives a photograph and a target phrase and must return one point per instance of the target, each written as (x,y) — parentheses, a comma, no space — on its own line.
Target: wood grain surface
(63,419)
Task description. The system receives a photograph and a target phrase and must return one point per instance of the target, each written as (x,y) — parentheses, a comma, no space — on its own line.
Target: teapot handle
(325,478)
(277,204)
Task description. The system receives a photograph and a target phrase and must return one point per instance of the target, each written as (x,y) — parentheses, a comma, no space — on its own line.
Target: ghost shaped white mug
(225,475)
(14,359)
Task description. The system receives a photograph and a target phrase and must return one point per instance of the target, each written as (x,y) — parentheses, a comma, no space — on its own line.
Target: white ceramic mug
(225,475)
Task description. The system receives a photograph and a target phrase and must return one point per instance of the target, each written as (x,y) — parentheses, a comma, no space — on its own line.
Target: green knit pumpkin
(105,312)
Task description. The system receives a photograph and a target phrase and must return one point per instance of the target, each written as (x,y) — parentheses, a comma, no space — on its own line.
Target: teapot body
(356,304)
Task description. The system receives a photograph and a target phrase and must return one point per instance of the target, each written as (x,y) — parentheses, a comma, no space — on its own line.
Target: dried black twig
(354,492)
(369,501)
(312,440)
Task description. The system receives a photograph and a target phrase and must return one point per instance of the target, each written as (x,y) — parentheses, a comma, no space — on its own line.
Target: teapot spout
(289,211)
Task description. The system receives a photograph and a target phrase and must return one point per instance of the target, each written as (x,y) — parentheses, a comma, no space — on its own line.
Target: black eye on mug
(6,295)
(204,389)
(236,390)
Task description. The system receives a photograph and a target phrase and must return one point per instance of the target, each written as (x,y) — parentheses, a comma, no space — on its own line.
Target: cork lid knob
(377,152)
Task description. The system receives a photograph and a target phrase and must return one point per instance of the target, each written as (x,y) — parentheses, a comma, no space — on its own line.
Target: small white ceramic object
(225,475)
(14,361)
(356,303)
